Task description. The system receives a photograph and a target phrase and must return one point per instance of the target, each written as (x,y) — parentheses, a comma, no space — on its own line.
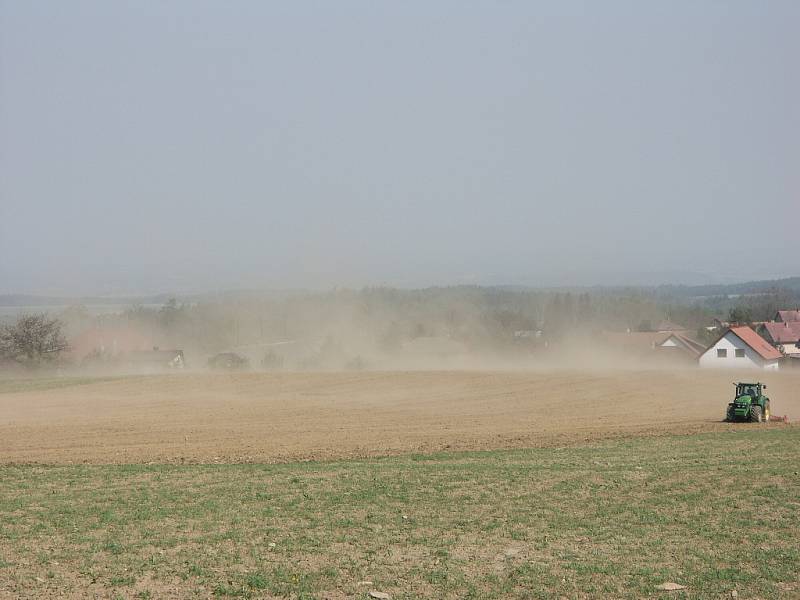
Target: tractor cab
(749,403)
(749,389)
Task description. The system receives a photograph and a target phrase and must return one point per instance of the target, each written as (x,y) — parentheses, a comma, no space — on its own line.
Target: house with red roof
(740,348)
(787,316)
(785,336)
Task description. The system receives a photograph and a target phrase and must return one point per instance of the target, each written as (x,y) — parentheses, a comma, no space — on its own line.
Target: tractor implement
(777,419)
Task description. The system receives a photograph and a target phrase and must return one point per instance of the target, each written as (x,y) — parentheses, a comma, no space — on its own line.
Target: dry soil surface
(278,417)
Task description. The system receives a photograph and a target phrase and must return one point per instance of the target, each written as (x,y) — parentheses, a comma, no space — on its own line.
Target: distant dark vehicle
(228,361)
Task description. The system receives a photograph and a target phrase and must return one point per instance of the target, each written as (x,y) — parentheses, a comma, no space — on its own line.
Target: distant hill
(791,284)
(33,300)
(666,291)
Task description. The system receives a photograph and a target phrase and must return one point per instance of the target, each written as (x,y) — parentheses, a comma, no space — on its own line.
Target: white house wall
(731,342)
(790,348)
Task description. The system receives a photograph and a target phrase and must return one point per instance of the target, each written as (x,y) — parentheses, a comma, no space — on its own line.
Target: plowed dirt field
(253,417)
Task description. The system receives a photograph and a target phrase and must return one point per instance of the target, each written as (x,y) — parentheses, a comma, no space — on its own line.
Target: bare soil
(255,417)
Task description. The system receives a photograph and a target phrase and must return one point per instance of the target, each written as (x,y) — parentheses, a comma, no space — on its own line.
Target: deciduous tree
(33,340)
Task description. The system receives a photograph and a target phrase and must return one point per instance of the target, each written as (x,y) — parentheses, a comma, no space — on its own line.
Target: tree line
(385,318)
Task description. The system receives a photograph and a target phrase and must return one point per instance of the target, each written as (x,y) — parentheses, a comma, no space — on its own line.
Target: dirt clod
(670,586)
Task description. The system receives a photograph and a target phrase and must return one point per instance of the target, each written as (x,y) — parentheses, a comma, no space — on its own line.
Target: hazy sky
(175,146)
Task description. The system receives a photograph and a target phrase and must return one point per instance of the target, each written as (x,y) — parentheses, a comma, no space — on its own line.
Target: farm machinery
(749,403)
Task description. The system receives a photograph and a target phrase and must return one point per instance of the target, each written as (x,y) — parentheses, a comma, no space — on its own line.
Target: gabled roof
(685,342)
(788,315)
(759,345)
(784,333)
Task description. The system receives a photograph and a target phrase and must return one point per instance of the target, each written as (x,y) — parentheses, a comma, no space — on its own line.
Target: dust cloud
(373,329)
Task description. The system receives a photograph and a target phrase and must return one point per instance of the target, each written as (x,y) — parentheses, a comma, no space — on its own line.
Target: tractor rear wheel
(755,414)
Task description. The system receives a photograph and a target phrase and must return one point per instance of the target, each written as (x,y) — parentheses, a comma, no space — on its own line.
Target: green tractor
(749,404)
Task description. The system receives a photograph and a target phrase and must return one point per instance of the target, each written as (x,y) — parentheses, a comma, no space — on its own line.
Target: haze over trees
(344,328)
(383,320)
(34,340)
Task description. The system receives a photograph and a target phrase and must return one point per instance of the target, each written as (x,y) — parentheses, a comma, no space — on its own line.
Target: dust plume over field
(279,417)
(380,329)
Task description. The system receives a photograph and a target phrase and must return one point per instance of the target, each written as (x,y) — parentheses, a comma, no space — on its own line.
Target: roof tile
(756,342)
(784,333)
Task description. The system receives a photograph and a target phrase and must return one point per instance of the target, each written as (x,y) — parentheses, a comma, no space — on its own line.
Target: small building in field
(740,348)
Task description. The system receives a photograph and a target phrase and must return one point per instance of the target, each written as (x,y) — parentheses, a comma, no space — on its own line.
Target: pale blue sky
(174,146)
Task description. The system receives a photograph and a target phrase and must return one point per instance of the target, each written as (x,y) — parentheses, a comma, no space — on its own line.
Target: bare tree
(33,340)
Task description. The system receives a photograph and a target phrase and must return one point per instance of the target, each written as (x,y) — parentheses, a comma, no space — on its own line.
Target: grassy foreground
(713,512)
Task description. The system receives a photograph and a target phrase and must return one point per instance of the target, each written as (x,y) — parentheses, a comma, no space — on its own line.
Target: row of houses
(767,346)
(764,345)
(741,347)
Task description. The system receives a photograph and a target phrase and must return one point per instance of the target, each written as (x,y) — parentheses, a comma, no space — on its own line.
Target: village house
(784,335)
(787,316)
(668,342)
(681,347)
(740,347)
(719,324)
